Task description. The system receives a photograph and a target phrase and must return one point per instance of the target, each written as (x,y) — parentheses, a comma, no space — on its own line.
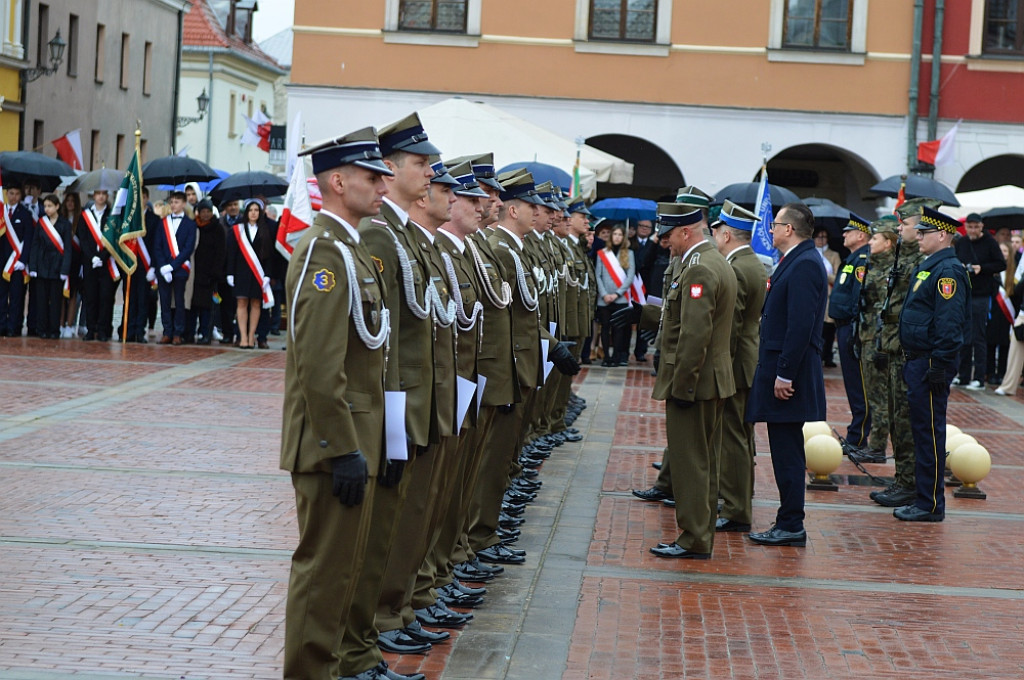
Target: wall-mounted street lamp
(202,101)
(56,48)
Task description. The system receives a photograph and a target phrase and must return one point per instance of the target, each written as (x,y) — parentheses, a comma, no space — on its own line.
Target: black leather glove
(350,477)
(627,316)
(881,361)
(391,475)
(936,378)
(562,358)
(682,403)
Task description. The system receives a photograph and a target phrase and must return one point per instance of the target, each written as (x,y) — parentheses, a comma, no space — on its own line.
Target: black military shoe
(912,513)
(466,589)
(399,642)
(894,497)
(652,494)
(499,554)
(420,634)
(866,455)
(385,673)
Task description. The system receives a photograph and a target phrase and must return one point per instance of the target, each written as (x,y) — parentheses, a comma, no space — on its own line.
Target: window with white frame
(1004,27)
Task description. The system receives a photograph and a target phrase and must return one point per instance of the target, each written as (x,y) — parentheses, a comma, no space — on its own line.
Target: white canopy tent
(461,127)
(1006,196)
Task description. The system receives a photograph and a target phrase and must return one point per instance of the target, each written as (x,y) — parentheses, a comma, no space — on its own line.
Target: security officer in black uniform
(843,308)
(932,326)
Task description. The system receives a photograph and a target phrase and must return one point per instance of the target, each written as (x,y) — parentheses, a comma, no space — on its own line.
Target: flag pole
(128,281)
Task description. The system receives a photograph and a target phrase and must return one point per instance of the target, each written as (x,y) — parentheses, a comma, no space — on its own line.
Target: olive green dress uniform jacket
(573,277)
(695,337)
(496,360)
(411,361)
(751,286)
(464,290)
(526,329)
(334,384)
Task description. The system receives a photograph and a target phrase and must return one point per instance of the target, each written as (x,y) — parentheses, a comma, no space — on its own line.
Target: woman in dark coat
(209,268)
(71,210)
(248,289)
(49,264)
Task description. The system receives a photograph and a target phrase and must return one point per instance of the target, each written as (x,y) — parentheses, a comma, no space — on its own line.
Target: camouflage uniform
(872,295)
(898,407)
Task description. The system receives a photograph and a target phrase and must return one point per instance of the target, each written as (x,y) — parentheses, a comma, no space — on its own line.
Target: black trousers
(48,305)
(98,292)
(138,303)
(12,304)
(614,340)
(173,320)
(973,353)
(786,441)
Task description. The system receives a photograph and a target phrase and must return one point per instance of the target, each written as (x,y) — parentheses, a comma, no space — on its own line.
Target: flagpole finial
(138,133)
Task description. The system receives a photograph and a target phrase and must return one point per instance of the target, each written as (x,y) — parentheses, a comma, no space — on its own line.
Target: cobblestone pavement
(146,533)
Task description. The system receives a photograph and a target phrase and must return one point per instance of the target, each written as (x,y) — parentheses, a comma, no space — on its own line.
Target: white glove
(63,277)
(166,270)
(167,276)
(151,275)
(33,275)
(96,262)
(266,281)
(19,266)
(231,280)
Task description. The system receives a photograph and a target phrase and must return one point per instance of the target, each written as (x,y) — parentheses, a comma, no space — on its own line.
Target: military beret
(912,206)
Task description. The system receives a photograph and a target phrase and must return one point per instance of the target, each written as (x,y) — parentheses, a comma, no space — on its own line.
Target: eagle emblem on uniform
(696,291)
(380,264)
(947,288)
(324,281)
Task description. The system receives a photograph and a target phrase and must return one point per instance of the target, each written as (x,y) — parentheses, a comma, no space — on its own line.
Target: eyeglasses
(780,224)
(925,232)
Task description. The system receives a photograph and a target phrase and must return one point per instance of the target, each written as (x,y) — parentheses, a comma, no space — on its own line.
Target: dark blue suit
(12,293)
(185,237)
(790,348)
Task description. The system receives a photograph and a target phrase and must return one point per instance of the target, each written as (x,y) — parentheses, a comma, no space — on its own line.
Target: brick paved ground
(145,532)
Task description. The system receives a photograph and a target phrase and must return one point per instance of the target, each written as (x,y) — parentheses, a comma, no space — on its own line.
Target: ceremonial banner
(125,222)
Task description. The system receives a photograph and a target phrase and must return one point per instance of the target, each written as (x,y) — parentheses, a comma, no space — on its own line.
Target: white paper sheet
(551,329)
(394,426)
(466,390)
(654,300)
(481,383)
(544,354)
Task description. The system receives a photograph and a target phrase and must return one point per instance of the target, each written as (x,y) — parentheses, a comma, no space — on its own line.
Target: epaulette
(374,220)
(694,259)
(503,244)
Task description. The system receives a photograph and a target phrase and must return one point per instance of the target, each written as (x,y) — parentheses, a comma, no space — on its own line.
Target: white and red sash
(51,233)
(138,246)
(97,236)
(172,244)
(254,263)
(12,238)
(636,290)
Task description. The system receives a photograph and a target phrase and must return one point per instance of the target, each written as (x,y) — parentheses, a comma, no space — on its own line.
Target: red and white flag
(257,131)
(637,291)
(297,214)
(69,148)
(939,152)
(1003,300)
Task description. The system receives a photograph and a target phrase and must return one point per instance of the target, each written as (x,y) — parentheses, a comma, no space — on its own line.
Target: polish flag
(69,148)
(257,131)
(297,214)
(939,152)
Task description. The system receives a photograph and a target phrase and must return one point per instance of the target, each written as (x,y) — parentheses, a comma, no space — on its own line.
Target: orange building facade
(689,91)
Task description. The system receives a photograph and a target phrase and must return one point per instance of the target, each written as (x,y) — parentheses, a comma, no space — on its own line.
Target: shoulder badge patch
(696,291)
(694,259)
(323,280)
(860,274)
(947,288)
(380,264)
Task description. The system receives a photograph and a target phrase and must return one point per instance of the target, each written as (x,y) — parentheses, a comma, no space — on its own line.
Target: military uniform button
(323,443)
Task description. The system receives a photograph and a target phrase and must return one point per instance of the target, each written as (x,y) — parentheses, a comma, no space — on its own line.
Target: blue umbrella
(205,187)
(625,209)
(542,172)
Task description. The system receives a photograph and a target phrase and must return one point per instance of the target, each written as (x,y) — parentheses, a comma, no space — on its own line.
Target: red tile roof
(203,29)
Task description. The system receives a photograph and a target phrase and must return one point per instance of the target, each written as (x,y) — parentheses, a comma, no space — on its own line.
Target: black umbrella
(247,184)
(745,195)
(917,187)
(18,167)
(999,218)
(175,170)
(828,214)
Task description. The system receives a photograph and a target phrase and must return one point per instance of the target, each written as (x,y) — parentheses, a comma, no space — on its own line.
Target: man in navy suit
(172,262)
(19,233)
(788,388)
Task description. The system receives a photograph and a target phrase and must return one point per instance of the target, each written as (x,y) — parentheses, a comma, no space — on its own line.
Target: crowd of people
(209,270)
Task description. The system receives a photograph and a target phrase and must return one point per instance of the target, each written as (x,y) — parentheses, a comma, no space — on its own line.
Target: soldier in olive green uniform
(876,375)
(400,263)
(695,377)
(732,235)
(332,434)
(901,491)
